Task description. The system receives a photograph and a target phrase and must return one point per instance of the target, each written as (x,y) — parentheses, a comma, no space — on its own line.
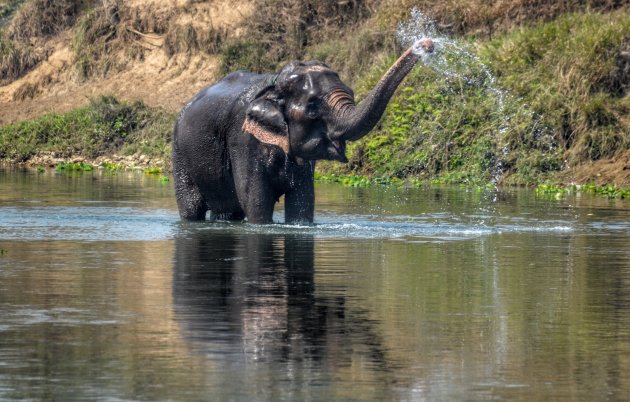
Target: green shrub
(560,95)
(105,126)
(571,73)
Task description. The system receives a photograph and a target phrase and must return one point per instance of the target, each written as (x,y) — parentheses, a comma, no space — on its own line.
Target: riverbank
(523,99)
(111,134)
(145,164)
(105,132)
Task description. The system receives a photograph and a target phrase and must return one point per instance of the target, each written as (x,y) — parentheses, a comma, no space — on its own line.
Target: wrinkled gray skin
(250,138)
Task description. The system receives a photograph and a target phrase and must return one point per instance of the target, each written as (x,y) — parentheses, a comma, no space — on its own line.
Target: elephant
(242,143)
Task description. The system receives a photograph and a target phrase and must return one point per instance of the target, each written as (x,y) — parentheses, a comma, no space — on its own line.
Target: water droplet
(458,64)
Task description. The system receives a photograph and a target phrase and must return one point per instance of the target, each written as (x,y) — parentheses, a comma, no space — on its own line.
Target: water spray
(455,61)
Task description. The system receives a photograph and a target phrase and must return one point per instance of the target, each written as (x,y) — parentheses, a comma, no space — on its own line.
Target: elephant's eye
(312,108)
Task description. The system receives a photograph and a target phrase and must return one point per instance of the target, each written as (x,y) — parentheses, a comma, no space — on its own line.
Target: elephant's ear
(265,121)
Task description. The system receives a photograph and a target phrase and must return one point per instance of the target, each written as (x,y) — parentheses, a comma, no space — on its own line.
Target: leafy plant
(105,126)
(74,167)
(153,170)
(558,191)
(112,167)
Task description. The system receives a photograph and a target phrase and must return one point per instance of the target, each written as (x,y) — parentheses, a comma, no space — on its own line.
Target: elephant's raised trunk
(353,122)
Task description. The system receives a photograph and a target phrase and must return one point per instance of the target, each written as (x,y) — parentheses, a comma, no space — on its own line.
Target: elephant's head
(310,113)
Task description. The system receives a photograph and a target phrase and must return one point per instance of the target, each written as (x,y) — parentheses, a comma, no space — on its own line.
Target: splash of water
(457,62)
(450,58)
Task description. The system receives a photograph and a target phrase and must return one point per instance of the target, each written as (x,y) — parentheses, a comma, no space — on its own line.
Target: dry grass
(34,19)
(108,37)
(41,18)
(26,91)
(186,39)
(7,8)
(484,18)
(283,30)
(181,39)
(15,59)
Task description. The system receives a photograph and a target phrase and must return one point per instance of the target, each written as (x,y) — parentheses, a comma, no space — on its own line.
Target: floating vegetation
(112,167)
(74,167)
(164,179)
(358,181)
(153,170)
(559,191)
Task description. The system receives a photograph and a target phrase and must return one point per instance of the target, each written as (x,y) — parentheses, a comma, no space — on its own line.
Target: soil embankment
(114,74)
(153,76)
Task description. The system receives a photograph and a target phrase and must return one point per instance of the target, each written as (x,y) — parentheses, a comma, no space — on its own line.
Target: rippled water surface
(434,294)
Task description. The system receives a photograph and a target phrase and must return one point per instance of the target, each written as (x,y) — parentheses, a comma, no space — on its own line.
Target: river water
(435,294)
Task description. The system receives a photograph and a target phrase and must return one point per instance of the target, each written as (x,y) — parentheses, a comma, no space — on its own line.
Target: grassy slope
(562,103)
(103,127)
(565,98)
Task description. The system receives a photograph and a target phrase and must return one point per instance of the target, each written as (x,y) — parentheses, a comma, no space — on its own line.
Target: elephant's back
(234,87)
(217,106)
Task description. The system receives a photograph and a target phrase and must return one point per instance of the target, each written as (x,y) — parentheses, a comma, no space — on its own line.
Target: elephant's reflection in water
(254,295)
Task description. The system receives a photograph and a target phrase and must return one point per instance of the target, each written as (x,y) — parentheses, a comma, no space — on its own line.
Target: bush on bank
(575,72)
(105,126)
(561,98)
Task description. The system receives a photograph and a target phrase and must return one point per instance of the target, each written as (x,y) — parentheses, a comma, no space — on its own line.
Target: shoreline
(111,162)
(148,165)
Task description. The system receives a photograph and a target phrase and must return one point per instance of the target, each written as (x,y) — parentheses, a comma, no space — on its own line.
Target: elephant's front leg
(299,201)
(252,182)
(259,202)
(255,193)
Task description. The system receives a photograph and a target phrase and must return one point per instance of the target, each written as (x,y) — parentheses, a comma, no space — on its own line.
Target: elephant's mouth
(323,148)
(337,151)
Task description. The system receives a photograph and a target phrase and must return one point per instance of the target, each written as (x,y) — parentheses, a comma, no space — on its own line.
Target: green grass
(440,128)
(358,181)
(568,71)
(562,101)
(74,167)
(112,167)
(103,127)
(559,191)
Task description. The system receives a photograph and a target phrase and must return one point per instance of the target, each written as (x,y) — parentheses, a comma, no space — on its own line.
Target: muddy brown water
(436,294)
